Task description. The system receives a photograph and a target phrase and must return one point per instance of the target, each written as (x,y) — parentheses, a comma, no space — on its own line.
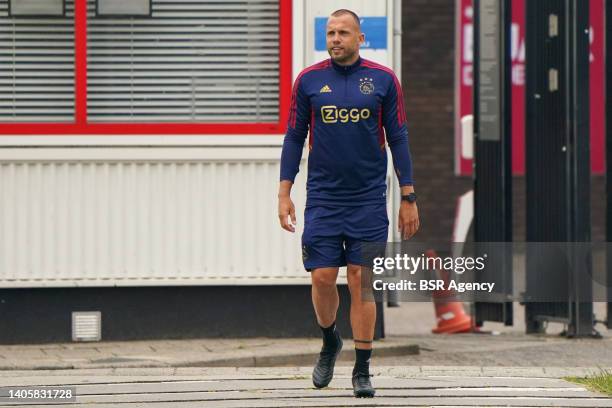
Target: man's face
(343,38)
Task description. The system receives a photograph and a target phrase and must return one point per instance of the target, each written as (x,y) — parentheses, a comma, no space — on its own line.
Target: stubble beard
(342,59)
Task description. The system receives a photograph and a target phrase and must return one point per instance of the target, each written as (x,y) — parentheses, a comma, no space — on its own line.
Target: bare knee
(324,278)
(353,277)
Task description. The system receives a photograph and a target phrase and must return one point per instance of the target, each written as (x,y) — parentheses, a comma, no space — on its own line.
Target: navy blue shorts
(333,235)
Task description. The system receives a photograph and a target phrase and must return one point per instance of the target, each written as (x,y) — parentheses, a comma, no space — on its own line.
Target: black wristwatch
(411,198)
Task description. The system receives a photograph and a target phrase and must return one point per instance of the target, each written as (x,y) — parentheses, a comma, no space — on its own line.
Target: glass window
(119,8)
(26,8)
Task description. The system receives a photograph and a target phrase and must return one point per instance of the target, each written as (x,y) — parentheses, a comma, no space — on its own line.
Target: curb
(302,359)
(295,359)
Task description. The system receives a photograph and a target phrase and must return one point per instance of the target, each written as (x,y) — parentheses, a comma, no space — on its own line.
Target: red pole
(80,62)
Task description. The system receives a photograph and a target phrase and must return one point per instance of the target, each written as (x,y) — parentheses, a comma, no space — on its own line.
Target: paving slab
(254,352)
(289,387)
(507,349)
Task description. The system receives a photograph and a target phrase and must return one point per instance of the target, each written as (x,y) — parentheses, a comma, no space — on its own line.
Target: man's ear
(361,38)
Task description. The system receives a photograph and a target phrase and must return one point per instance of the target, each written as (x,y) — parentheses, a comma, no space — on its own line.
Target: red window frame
(81,126)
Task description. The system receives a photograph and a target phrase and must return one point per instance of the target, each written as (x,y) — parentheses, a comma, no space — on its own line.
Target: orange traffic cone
(449,311)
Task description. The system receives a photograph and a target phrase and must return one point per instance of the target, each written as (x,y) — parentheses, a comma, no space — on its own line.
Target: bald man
(351,108)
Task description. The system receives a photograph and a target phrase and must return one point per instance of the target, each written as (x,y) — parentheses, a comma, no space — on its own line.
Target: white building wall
(156,210)
(144,216)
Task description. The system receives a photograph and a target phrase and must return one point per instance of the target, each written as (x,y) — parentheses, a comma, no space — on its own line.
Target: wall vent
(86,326)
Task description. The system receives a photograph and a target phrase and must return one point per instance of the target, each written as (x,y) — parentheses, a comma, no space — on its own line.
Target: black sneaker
(362,387)
(324,369)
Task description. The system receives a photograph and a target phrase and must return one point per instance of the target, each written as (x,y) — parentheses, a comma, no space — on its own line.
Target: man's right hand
(286,209)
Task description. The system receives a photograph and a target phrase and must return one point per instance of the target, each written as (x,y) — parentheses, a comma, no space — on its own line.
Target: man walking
(349,105)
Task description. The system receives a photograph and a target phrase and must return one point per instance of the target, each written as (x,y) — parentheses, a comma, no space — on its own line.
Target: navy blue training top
(346,109)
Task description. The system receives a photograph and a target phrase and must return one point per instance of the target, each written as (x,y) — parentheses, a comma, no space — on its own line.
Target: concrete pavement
(506,349)
(164,374)
(291,387)
(254,352)
(411,368)
(410,343)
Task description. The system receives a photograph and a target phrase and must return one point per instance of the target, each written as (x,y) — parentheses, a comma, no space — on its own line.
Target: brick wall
(428,43)
(428,62)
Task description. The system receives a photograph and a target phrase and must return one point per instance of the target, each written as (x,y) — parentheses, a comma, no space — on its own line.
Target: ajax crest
(366,86)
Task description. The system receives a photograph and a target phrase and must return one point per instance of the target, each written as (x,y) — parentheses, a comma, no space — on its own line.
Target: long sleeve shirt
(349,112)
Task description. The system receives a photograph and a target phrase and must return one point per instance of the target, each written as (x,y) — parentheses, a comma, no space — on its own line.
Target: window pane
(124,8)
(36,67)
(37,7)
(192,61)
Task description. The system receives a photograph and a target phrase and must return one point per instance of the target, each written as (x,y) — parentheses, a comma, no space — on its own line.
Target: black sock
(330,336)
(362,361)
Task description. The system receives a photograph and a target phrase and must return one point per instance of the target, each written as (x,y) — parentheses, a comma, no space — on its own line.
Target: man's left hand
(408,220)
